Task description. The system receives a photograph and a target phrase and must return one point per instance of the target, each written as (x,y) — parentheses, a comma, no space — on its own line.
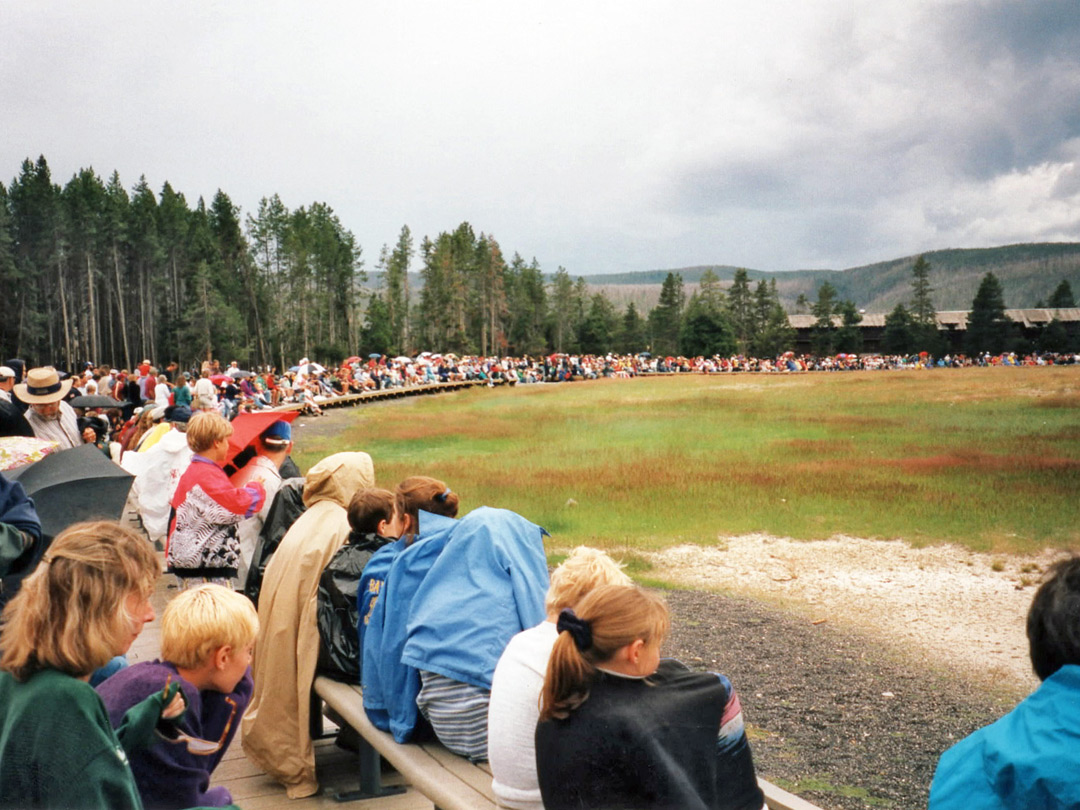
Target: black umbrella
(94,401)
(75,485)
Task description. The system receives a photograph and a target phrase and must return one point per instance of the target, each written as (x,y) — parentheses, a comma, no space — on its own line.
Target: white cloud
(600,136)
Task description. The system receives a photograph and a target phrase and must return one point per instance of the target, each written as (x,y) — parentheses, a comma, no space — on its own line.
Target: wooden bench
(450,781)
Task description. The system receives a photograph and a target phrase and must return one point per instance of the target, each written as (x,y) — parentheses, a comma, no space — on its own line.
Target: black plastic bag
(337,613)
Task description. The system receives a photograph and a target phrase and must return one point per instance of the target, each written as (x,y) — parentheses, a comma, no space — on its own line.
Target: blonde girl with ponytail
(621,728)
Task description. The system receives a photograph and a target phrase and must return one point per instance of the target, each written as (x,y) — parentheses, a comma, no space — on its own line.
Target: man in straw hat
(49,416)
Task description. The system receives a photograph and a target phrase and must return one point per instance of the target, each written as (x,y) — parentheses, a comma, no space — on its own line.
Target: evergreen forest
(91,270)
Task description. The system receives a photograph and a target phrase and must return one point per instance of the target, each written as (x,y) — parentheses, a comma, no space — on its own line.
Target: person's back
(276,732)
(619,728)
(1029,758)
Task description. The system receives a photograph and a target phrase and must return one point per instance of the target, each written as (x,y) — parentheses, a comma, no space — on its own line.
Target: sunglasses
(197,745)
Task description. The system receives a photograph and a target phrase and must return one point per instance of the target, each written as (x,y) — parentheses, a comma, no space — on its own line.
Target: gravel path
(834,715)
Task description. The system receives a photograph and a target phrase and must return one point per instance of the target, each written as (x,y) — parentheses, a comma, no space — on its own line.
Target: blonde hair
(70,613)
(205,429)
(616,615)
(421,492)
(585,569)
(200,621)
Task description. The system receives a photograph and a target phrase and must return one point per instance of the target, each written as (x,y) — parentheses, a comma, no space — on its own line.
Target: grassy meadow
(989,458)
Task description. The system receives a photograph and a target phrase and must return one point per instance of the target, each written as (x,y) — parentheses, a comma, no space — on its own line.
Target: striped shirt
(64,430)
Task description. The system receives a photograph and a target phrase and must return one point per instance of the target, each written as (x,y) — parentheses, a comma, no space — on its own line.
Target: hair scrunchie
(578,628)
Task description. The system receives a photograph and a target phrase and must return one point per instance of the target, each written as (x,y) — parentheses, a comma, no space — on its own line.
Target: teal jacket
(1027,760)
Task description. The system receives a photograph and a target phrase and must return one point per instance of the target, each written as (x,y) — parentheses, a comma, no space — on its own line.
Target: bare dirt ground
(858,662)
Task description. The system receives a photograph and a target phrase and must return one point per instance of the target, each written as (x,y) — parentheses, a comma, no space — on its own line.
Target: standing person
(84,604)
(272,448)
(519,677)
(205,392)
(621,728)
(277,728)
(1028,758)
(49,416)
(202,545)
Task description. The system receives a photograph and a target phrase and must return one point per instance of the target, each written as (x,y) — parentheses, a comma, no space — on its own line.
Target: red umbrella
(248,426)
(218,379)
(353,359)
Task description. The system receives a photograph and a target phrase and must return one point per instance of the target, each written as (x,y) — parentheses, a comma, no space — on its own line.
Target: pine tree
(665,320)
(988,328)
(775,335)
(1062,297)
(897,337)
(397,290)
(598,331)
(823,332)
(632,337)
(848,337)
(741,307)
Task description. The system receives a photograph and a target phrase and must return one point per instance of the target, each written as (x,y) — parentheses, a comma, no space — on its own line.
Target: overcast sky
(600,136)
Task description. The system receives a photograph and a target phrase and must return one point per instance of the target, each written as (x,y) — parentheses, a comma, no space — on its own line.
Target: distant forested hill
(1028,273)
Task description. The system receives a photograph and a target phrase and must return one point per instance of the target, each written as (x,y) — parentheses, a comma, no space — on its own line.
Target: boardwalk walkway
(250,787)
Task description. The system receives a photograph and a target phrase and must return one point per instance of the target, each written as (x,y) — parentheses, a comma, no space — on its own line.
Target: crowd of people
(141,396)
(444,612)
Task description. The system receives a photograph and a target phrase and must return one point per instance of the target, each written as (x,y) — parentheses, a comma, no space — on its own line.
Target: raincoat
(1027,760)
(276,732)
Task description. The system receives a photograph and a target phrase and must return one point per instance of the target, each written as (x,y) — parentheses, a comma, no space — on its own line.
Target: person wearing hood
(276,731)
(1028,759)
(157,473)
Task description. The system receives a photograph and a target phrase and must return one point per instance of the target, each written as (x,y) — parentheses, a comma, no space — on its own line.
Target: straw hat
(42,385)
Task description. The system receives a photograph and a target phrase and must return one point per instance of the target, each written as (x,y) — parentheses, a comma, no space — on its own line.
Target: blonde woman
(86,602)
(519,677)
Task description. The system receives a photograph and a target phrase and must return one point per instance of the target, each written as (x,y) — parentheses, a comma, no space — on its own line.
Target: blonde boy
(207,639)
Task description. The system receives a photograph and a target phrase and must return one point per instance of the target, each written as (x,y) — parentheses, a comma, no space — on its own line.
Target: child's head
(1053,626)
(202,623)
(205,429)
(608,619)
(85,603)
(374,511)
(420,492)
(583,571)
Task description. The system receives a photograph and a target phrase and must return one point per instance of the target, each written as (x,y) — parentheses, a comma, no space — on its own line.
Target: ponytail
(606,620)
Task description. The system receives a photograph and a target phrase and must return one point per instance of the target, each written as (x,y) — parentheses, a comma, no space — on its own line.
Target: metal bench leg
(371,785)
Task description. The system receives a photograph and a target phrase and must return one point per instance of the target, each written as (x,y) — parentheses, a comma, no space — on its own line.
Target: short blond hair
(70,614)
(201,620)
(205,429)
(584,570)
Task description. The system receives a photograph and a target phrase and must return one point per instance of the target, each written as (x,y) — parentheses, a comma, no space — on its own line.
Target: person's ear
(222,656)
(633,650)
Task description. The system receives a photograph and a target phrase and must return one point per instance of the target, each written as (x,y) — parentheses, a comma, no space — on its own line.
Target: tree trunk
(120,308)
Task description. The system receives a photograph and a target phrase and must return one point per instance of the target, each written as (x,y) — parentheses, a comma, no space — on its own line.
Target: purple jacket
(169,775)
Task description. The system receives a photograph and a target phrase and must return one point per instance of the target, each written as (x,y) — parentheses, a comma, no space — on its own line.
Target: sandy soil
(963,609)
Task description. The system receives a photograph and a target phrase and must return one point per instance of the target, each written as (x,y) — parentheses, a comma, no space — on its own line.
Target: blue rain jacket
(390,687)
(1027,760)
(488,586)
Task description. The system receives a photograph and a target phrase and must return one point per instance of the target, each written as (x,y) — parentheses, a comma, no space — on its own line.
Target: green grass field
(989,458)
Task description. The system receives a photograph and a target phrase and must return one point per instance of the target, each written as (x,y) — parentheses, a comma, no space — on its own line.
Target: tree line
(92,271)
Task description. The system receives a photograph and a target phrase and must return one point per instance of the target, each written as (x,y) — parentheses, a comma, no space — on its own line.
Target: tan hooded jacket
(276,729)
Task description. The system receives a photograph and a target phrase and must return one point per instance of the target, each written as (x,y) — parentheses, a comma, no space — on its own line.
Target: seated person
(488,586)
(1029,757)
(202,543)
(374,521)
(277,728)
(84,604)
(207,638)
(519,677)
(621,728)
